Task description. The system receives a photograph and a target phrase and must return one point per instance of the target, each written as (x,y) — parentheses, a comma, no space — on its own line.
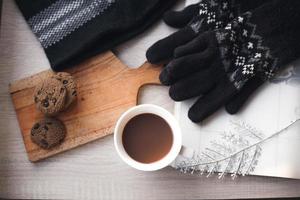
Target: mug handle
(187,152)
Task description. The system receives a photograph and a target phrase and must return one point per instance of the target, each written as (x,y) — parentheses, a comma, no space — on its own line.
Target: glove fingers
(183,66)
(164,48)
(236,103)
(179,19)
(198,44)
(212,101)
(192,86)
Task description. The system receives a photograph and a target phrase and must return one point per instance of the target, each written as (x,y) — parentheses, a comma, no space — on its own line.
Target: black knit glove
(195,19)
(220,64)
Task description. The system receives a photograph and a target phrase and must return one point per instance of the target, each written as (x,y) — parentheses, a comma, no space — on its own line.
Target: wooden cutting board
(106,88)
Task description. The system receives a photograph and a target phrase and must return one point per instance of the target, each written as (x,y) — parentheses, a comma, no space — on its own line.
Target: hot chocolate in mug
(148,138)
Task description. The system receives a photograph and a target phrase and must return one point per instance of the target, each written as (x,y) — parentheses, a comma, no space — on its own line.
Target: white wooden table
(94,171)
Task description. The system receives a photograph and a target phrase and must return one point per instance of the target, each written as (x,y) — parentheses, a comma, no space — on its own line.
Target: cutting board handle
(149,74)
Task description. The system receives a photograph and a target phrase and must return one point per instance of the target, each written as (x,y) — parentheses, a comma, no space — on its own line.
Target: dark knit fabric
(76,30)
(224,66)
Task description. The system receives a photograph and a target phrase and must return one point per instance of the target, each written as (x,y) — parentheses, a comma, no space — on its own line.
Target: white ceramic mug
(152,109)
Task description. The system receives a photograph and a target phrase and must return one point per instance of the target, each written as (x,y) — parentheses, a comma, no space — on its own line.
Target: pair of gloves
(225,50)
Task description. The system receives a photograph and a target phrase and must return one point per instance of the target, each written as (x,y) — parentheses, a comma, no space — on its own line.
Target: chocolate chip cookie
(50,96)
(48,132)
(69,83)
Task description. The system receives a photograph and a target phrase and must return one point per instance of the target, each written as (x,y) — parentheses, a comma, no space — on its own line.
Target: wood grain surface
(106,88)
(94,170)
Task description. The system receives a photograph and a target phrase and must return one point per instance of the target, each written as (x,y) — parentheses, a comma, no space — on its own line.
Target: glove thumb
(179,19)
